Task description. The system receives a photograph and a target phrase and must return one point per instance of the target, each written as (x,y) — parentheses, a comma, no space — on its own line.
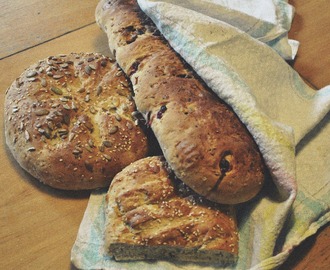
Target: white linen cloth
(289,121)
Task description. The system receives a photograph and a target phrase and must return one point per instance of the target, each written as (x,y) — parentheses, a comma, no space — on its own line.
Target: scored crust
(151,214)
(201,137)
(69,121)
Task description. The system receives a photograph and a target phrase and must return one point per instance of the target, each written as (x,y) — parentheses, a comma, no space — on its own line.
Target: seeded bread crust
(201,137)
(68,121)
(152,215)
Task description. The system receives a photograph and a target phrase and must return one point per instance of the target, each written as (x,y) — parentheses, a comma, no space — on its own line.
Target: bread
(202,139)
(69,123)
(152,215)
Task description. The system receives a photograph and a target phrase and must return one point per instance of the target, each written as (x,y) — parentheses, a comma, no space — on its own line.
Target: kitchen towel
(289,121)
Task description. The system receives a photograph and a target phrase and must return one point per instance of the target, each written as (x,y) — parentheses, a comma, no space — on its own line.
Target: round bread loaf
(69,121)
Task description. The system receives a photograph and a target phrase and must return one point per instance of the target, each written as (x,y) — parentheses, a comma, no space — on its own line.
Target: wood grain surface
(38,224)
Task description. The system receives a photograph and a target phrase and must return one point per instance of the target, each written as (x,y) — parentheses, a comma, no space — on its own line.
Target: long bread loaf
(202,139)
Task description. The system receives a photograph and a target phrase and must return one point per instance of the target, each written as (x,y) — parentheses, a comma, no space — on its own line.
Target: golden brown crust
(151,215)
(201,137)
(68,121)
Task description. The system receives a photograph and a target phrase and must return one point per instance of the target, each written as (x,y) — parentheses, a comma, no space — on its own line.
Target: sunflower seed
(107,157)
(88,125)
(88,69)
(124,83)
(17,84)
(71,137)
(119,73)
(15,109)
(88,148)
(121,92)
(113,129)
(58,76)
(45,132)
(50,125)
(90,143)
(41,130)
(99,90)
(76,152)
(62,131)
(41,112)
(118,117)
(125,107)
(114,103)
(74,106)
(26,135)
(67,107)
(104,63)
(63,99)
(92,110)
(15,140)
(43,82)
(101,148)
(56,90)
(66,119)
(31,74)
(107,144)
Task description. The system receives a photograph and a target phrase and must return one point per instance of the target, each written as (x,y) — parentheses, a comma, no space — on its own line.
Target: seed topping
(107,144)
(43,82)
(56,90)
(31,74)
(113,129)
(58,76)
(41,112)
(99,90)
(88,69)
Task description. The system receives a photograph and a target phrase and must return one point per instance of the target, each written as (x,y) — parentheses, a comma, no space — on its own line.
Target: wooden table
(38,225)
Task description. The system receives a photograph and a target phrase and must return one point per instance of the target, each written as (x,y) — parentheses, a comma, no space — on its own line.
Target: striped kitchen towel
(289,121)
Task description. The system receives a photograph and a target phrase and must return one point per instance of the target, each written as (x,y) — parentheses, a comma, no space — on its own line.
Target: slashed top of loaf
(148,206)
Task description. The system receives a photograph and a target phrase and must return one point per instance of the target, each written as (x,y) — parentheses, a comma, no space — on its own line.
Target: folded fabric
(289,121)
(268,21)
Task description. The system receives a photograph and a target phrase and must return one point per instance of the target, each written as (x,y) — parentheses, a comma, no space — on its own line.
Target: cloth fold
(289,121)
(268,21)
